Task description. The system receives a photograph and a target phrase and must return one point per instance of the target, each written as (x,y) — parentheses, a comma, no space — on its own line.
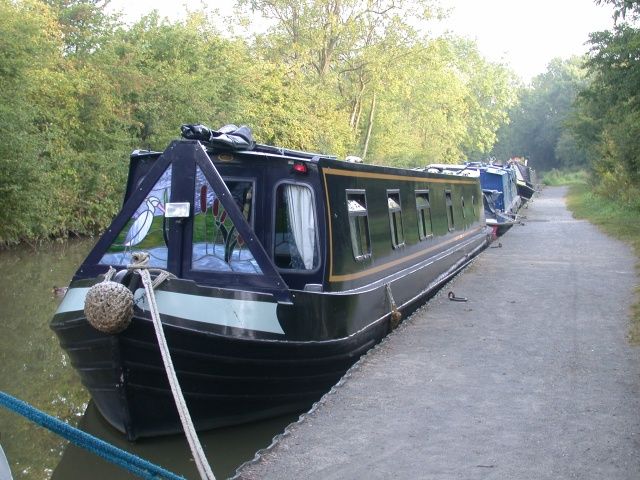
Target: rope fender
(108,305)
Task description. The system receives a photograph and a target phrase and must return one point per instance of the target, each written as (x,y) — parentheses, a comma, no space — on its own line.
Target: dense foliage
(608,110)
(79,90)
(585,113)
(540,121)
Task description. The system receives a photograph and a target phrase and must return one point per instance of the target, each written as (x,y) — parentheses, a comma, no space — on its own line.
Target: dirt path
(532,378)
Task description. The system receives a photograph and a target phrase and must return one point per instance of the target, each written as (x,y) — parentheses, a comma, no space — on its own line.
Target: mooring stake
(453,298)
(396,316)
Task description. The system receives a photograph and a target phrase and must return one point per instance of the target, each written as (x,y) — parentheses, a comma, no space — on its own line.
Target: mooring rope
(141,266)
(129,461)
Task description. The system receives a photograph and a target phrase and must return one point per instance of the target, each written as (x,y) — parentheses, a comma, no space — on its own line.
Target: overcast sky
(523,34)
(528,34)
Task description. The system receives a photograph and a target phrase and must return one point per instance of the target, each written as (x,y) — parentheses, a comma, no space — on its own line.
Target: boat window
(395,218)
(295,245)
(423,208)
(217,246)
(449,204)
(464,213)
(473,205)
(145,230)
(359,224)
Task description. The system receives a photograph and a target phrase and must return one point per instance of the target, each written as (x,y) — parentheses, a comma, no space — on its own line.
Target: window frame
(368,254)
(422,225)
(448,202)
(397,239)
(317,253)
(233,178)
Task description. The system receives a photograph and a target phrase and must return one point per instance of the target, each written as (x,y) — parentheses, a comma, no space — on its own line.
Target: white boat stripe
(245,314)
(73,300)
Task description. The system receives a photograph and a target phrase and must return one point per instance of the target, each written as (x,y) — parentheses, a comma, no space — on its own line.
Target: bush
(557,177)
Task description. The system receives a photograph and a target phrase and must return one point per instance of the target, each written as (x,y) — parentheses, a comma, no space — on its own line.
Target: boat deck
(533,377)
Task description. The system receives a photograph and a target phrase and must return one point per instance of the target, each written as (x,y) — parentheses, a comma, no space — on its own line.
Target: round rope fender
(108,307)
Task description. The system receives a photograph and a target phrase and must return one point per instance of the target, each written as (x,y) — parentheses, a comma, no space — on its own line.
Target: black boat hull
(229,375)
(248,380)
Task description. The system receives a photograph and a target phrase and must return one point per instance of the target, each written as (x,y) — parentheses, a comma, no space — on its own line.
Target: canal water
(34,368)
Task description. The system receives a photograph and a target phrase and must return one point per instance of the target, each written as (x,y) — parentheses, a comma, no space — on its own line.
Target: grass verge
(556,177)
(615,220)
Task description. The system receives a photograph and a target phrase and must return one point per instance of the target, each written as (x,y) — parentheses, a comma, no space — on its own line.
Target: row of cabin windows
(359,220)
(217,245)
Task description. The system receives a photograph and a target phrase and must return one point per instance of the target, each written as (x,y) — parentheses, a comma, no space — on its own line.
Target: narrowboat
(497,218)
(524,178)
(499,191)
(287,265)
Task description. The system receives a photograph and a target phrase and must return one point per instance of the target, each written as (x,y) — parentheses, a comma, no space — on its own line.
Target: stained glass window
(217,246)
(145,230)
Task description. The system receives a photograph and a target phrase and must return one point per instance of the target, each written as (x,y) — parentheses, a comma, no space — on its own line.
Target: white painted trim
(73,300)
(245,314)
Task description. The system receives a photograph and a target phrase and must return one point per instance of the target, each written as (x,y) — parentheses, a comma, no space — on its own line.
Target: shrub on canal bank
(80,89)
(617,219)
(556,177)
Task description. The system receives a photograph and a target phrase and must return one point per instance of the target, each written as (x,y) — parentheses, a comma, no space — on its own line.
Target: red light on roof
(300,167)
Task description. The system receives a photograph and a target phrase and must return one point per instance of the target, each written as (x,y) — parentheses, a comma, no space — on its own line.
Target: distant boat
(524,179)
(500,197)
(292,266)
(497,219)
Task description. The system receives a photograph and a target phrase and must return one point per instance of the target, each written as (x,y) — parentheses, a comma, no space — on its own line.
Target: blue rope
(122,458)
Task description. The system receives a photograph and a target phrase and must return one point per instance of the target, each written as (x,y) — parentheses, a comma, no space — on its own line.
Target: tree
(540,119)
(491,93)
(83,23)
(29,42)
(349,47)
(79,90)
(609,107)
(623,9)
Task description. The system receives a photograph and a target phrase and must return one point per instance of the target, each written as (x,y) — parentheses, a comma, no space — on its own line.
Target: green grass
(564,177)
(616,220)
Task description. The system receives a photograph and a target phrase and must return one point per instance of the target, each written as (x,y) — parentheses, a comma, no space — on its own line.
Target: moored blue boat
(499,190)
(504,202)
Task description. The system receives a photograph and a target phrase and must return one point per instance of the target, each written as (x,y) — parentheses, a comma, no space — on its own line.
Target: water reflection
(225,448)
(35,369)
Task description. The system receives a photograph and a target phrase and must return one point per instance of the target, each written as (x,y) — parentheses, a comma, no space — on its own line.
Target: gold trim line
(388,176)
(393,263)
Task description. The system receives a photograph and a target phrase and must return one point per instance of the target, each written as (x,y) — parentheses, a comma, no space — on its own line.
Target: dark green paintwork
(347,272)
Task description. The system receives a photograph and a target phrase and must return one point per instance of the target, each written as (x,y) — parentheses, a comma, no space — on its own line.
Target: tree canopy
(539,127)
(79,90)
(585,112)
(608,114)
